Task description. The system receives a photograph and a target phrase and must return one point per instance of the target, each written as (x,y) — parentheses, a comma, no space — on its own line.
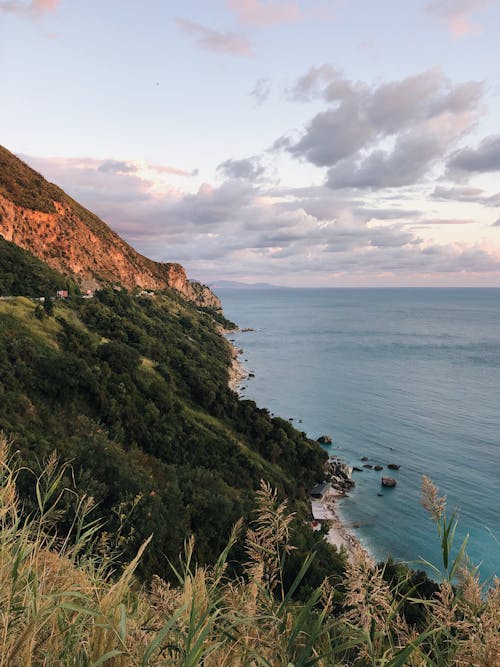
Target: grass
(64,602)
(23,310)
(213,425)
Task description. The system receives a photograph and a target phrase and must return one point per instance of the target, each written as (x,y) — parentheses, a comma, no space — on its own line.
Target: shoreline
(236,372)
(338,534)
(325,509)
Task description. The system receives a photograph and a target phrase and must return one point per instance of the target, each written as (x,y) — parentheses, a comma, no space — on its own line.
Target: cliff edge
(40,217)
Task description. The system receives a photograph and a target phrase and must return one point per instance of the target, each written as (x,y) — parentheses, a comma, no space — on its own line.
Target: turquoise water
(409,376)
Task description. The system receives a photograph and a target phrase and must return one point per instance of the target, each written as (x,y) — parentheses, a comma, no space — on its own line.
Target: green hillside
(133,391)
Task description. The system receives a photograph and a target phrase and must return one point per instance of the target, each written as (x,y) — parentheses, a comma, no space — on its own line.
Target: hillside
(133,390)
(39,217)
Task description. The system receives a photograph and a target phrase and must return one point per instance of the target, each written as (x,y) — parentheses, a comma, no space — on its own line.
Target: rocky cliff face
(43,219)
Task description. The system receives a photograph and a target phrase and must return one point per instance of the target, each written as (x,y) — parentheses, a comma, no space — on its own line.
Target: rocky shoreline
(338,482)
(338,475)
(237,372)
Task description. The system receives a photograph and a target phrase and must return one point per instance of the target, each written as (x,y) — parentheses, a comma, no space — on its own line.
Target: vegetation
(63,605)
(133,391)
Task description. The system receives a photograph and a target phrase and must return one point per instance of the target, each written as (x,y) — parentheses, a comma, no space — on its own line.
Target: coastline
(338,534)
(325,509)
(237,372)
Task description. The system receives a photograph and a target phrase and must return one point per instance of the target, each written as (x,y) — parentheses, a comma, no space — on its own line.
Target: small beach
(338,535)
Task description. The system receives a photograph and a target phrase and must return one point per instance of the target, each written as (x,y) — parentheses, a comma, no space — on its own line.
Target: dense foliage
(133,391)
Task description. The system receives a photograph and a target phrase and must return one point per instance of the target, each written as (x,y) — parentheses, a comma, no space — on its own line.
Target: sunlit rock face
(41,218)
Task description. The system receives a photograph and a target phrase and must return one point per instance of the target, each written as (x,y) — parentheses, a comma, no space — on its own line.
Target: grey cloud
(496,223)
(323,204)
(484,158)
(413,153)
(394,105)
(261,90)
(248,168)
(462,97)
(352,134)
(344,238)
(117,167)
(334,135)
(494,200)
(464,194)
(218,205)
(214,40)
(324,82)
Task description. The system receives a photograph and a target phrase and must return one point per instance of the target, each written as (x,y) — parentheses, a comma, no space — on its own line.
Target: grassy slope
(133,390)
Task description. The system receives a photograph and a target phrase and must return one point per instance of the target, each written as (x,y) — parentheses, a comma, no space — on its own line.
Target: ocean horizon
(398,375)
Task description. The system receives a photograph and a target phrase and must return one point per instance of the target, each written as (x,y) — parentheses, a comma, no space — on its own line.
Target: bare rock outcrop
(40,217)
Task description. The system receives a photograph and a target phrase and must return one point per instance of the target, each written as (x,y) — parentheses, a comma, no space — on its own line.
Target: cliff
(40,217)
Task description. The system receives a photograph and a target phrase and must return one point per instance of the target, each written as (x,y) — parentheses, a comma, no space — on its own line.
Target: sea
(404,376)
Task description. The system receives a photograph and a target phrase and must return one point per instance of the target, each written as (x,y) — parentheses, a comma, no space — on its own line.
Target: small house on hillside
(320,490)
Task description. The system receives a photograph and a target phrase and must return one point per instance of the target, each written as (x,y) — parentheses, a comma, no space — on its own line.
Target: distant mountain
(40,217)
(233,284)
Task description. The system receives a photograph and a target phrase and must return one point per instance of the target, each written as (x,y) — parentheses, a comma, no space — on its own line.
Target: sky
(333,143)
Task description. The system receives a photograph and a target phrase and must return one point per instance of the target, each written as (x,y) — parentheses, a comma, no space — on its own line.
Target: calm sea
(406,376)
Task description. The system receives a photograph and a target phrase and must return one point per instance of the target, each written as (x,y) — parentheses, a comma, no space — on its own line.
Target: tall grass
(65,602)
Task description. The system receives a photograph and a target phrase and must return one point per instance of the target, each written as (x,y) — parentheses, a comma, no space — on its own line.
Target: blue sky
(301,142)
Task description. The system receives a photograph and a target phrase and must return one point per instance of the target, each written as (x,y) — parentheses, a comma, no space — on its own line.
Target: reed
(64,601)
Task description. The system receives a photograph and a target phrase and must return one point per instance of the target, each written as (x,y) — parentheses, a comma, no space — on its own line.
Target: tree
(48,305)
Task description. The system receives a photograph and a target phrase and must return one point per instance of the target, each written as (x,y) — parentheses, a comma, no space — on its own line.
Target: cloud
(442,221)
(494,200)
(264,12)
(496,223)
(261,90)
(324,81)
(463,194)
(209,39)
(386,213)
(484,158)
(174,171)
(245,228)
(382,136)
(117,167)
(456,14)
(33,7)
(412,156)
(248,168)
